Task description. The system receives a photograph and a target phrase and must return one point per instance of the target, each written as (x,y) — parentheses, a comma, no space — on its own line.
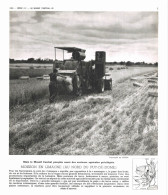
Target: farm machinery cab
(85,75)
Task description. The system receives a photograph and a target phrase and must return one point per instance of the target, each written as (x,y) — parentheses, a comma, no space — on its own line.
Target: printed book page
(84,106)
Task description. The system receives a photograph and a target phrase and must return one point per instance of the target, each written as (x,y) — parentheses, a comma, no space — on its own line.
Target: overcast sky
(125,36)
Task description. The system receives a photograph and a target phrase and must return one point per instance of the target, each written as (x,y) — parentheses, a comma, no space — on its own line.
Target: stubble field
(118,122)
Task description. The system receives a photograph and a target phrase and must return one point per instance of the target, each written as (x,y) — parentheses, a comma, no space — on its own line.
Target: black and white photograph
(83,82)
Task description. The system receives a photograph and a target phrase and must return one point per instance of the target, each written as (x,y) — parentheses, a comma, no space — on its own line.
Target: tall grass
(24,91)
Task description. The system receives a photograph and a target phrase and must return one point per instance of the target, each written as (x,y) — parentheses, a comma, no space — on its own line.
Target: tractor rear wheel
(100,86)
(109,85)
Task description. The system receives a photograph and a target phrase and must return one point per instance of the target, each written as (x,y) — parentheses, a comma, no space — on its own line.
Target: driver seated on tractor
(53,86)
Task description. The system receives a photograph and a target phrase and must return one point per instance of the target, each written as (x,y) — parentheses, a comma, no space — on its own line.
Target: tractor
(85,76)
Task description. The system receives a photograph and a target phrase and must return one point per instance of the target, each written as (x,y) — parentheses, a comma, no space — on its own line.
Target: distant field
(119,75)
(35,65)
(15,73)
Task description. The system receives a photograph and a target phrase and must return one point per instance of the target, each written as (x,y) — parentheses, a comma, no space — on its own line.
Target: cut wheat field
(118,122)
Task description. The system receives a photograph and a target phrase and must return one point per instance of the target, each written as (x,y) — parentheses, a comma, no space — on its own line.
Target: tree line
(129,63)
(50,61)
(32,60)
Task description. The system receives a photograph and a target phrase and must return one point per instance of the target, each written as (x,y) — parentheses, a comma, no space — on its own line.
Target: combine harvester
(84,76)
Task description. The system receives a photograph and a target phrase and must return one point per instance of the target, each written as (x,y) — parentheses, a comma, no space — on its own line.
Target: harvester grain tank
(84,75)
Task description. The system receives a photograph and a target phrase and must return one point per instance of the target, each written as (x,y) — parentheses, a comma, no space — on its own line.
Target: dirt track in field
(118,122)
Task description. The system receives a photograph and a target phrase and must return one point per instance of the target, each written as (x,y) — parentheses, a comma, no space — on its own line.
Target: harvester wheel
(100,86)
(109,85)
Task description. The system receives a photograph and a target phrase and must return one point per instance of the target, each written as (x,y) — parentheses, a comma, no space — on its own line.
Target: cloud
(117,32)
